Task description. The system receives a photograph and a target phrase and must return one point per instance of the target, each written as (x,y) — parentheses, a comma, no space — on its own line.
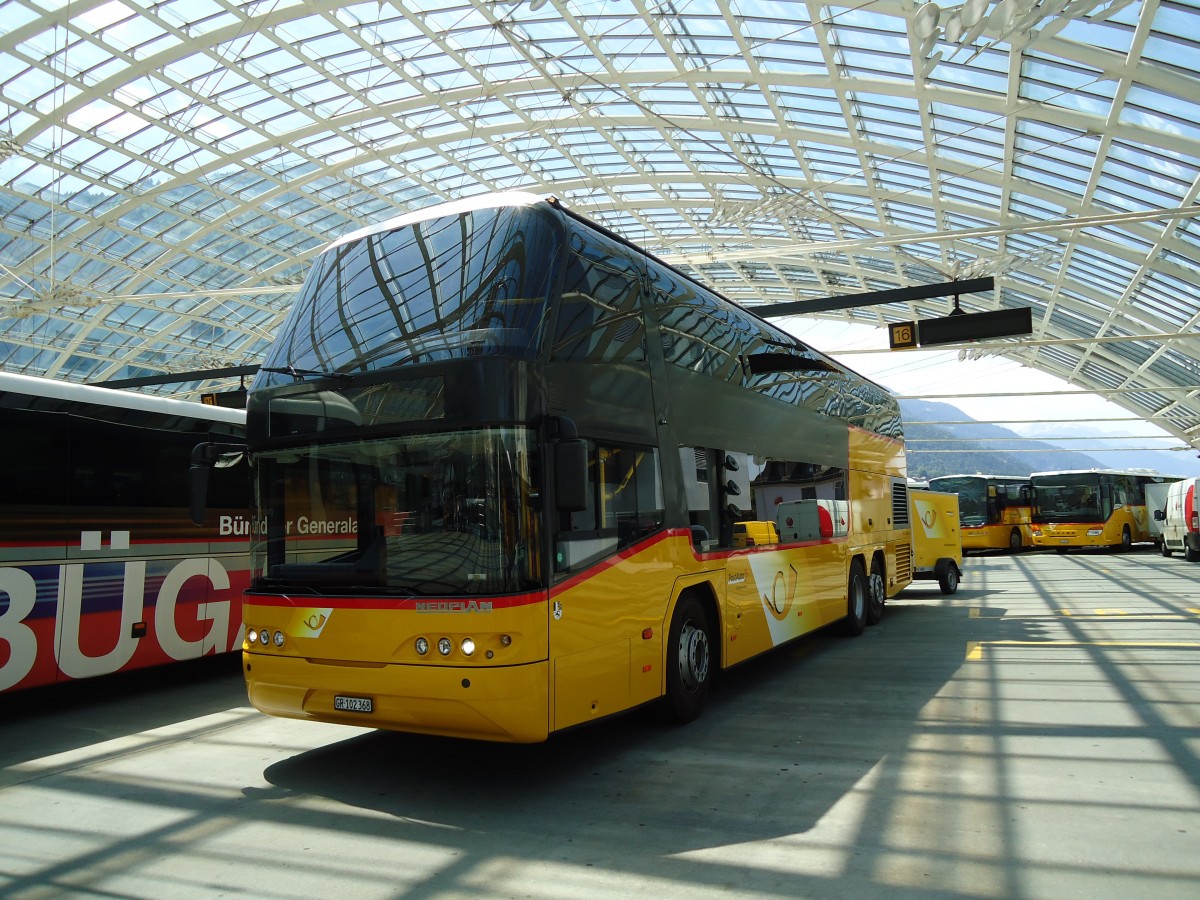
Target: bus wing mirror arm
(204,457)
(570,475)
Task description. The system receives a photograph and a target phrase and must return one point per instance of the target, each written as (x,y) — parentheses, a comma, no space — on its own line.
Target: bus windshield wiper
(300,374)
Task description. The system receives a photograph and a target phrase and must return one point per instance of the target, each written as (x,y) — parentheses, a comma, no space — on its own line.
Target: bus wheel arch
(877,589)
(692,654)
(858,592)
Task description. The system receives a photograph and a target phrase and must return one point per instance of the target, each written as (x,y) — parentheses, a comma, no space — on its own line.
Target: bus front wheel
(858,592)
(689,668)
(1126,540)
(1014,542)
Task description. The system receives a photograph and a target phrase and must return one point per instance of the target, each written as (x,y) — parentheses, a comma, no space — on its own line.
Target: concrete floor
(1035,735)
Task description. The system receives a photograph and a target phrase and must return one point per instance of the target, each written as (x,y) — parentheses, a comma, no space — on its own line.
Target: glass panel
(440,289)
(423,515)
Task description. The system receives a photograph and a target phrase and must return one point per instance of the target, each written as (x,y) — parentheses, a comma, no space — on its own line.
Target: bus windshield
(440,289)
(972,498)
(1069,498)
(426,515)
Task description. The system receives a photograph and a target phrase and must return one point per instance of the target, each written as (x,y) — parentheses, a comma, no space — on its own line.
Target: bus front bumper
(1074,536)
(503,703)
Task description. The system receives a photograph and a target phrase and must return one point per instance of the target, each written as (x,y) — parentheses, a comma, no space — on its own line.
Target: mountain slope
(934,450)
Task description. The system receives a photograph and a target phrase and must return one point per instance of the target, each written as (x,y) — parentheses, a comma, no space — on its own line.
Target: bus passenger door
(613,579)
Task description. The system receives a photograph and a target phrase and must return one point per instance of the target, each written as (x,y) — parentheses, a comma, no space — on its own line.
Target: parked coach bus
(100,569)
(994,509)
(1091,508)
(501,456)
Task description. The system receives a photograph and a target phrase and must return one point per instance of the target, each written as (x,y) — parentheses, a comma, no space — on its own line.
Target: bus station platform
(1035,735)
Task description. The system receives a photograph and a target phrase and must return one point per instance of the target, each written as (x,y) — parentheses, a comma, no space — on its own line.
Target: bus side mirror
(570,475)
(198,483)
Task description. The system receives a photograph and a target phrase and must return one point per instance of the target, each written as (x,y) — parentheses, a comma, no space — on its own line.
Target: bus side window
(624,504)
(599,317)
(33,457)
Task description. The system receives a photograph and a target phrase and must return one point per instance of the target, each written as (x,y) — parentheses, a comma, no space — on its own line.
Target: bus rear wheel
(857,596)
(689,663)
(878,593)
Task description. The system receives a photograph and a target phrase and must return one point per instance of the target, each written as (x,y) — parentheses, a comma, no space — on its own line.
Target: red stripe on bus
(308,601)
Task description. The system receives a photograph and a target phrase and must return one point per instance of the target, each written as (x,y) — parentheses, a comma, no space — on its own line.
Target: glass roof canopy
(170,168)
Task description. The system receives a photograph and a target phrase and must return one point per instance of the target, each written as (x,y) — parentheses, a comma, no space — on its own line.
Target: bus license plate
(354,704)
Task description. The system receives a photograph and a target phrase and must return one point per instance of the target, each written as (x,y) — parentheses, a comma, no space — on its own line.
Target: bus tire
(689,662)
(877,586)
(1014,541)
(948,580)
(858,594)
(1126,540)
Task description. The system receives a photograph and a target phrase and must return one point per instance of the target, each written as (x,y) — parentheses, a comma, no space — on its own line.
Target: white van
(1181,519)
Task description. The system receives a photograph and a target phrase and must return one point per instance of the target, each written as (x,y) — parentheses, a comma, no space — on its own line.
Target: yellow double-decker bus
(1091,508)
(511,473)
(994,510)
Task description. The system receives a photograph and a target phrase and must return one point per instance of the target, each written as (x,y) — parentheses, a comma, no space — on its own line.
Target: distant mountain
(934,450)
(1167,462)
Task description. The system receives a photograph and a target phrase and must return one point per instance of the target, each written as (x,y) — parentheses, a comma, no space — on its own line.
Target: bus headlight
(467,646)
(279,639)
(264,637)
(251,636)
(422,646)
(1095,532)
(444,646)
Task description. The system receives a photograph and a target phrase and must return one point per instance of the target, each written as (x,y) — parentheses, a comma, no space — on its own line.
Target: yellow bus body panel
(936,533)
(1075,534)
(596,644)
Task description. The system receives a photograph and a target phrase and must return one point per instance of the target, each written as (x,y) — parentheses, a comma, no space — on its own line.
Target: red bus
(101,569)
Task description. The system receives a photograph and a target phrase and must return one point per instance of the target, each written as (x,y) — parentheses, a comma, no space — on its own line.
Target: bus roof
(1151,473)
(12,383)
(983,475)
(509,199)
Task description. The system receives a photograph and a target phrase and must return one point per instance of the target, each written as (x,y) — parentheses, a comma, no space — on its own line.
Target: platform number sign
(902,335)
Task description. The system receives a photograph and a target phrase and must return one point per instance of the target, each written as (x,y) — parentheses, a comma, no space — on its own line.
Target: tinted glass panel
(460,286)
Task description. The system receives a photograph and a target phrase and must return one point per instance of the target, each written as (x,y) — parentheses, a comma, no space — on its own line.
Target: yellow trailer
(936,538)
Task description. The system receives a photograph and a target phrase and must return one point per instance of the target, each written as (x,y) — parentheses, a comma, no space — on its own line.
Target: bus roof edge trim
(440,210)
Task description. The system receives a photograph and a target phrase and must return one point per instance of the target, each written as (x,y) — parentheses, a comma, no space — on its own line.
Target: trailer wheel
(878,593)
(689,662)
(948,580)
(857,597)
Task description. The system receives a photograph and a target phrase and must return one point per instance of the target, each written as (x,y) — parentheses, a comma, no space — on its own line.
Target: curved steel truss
(169,168)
